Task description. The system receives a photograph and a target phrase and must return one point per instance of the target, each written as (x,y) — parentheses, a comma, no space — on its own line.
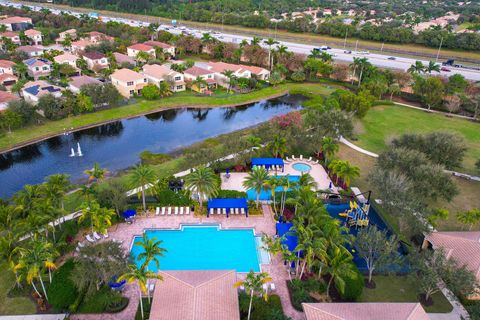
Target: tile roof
(222,66)
(464,247)
(15,19)
(159,44)
(364,311)
(123,58)
(7,76)
(126,75)
(36,61)
(66,57)
(40,87)
(32,32)
(29,49)
(7,97)
(195,295)
(81,43)
(94,55)
(156,71)
(9,34)
(6,64)
(197,71)
(80,81)
(254,69)
(140,47)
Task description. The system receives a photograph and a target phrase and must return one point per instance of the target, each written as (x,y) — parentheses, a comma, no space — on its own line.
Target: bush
(353,286)
(100,301)
(261,309)
(300,291)
(117,305)
(62,292)
(231,194)
(151,158)
(167,197)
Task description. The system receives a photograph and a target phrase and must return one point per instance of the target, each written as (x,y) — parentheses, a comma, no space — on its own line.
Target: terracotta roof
(140,47)
(464,247)
(195,295)
(16,19)
(6,97)
(81,43)
(93,55)
(254,69)
(66,57)
(9,34)
(159,44)
(80,81)
(197,71)
(156,71)
(32,32)
(364,311)
(126,75)
(7,76)
(29,49)
(222,66)
(40,87)
(123,58)
(6,64)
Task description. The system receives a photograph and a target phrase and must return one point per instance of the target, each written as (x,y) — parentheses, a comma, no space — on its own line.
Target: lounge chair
(89,238)
(212,211)
(169,210)
(105,235)
(181,211)
(157,211)
(163,211)
(232,211)
(176,210)
(96,236)
(293,157)
(242,210)
(80,245)
(301,157)
(309,159)
(187,210)
(287,159)
(272,286)
(316,161)
(224,211)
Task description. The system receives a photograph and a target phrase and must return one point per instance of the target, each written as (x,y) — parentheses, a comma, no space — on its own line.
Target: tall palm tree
(339,267)
(314,54)
(143,56)
(278,146)
(255,41)
(58,185)
(102,219)
(200,83)
(270,42)
(256,180)
(272,184)
(416,68)
(306,181)
(152,251)
(96,173)
(349,172)
(325,56)
(165,89)
(253,283)
(88,212)
(141,275)
(88,192)
(21,69)
(329,148)
(26,198)
(206,38)
(254,143)
(141,177)
(432,66)
(229,74)
(204,182)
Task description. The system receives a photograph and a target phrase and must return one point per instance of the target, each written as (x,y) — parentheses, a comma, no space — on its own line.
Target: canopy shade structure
(228,204)
(129,213)
(268,162)
(290,236)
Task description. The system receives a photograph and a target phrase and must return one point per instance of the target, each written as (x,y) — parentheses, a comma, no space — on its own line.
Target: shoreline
(143,113)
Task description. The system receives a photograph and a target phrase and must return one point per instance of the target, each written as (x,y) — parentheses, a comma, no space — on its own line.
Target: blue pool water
(267,195)
(204,248)
(302,167)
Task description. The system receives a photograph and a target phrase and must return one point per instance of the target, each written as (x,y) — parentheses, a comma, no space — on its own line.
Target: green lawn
(382,123)
(12,306)
(402,289)
(142,106)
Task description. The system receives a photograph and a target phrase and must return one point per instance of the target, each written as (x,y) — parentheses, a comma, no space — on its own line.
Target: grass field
(402,289)
(12,306)
(186,98)
(382,123)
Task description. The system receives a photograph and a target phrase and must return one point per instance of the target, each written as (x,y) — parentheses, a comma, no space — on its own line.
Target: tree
(152,251)
(52,107)
(456,84)
(277,146)
(84,103)
(256,180)
(253,284)
(113,195)
(10,120)
(200,83)
(416,68)
(339,267)
(96,173)
(329,148)
(141,178)
(99,218)
(275,78)
(298,76)
(432,66)
(143,56)
(438,214)
(376,248)
(430,90)
(453,103)
(270,42)
(473,94)
(203,182)
(469,217)
(229,74)
(21,69)
(165,89)
(150,92)
(344,170)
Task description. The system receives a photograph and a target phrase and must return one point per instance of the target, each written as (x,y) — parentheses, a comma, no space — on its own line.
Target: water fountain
(72,153)
(79,151)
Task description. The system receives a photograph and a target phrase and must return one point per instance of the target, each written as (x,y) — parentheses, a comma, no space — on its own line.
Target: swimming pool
(267,195)
(197,247)
(302,167)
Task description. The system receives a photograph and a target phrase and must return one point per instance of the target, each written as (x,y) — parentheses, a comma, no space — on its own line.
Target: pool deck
(261,224)
(318,173)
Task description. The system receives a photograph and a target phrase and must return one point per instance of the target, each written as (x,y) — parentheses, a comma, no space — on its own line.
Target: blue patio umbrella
(129,213)
(330,185)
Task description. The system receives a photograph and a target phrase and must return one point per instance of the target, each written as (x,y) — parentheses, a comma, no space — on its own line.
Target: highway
(379,60)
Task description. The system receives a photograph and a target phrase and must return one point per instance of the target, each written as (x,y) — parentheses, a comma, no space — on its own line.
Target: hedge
(300,291)
(231,194)
(261,309)
(353,286)
(62,292)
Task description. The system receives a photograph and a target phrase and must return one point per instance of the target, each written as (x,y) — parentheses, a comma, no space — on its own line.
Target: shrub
(231,194)
(117,305)
(100,301)
(261,309)
(353,286)
(167,197)
(300,292)
(151,158)
(62,292)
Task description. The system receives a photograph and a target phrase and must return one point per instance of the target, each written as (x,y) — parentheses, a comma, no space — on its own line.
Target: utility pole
(381,49)
(356,46)
(439,48)
(276,22)
(345,41)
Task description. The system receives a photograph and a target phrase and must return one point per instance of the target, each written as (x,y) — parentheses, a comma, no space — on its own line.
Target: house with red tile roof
(8,80)
(6,66)
(32,91)
(31,51)
(192,73)
(67,58)
(196,295)
(76,83)
(156,73)
(12,36)
(16,23)
(121,58)
(38,67)
(128,82)
(167,48)
(96,61)
(70,33)
(133,50)
(96,37)
(259,72)
(364,311)
(35,37)
(80,46)
(6,98)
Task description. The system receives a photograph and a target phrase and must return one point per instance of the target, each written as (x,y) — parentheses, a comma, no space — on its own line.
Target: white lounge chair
(265,287)
(224,211)
(176,210)
(287,159)
(232,211)
(272,286)
(242,210)
(301,157)
(96,236)
(169,210)
(89,238)
(163,211)
(80,244)
(105,235)
(181,211)
(316,161)
(309,159)
(157,211)
(187,210)
(293,157)
(211,211)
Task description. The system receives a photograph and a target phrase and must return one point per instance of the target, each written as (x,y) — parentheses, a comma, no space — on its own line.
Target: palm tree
(141,177)
(329,148)
(306,181)
(200,83)
(204,182)
(102,219)
(270,42)
(432,66)
(339,267)
(152,251)
(394,89)
(21,69)
(206,37)
(255,41)
(229,74)
(253,283)
(165,89)
(88,191)
(141,276)
(416,68)
(88,212)
(96,173)
(57,185)
(256,180)
(254,143)
(349,172)
(143,56)
(271,184)
(314,54)
(325,56)
(364,64)
(469,217)
(278,146)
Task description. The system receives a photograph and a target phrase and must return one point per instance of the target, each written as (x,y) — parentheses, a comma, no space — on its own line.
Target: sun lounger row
(172,210)
(287,159)
(224,211)
(95,237)
(272,167)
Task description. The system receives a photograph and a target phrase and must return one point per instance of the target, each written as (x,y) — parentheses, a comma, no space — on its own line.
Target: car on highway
(445,69)
(392,58)
(348,51)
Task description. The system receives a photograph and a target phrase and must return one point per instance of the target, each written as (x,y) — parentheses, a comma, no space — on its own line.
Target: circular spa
(302,167)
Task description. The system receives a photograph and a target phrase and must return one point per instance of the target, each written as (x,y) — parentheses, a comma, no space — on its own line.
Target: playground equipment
(357,215)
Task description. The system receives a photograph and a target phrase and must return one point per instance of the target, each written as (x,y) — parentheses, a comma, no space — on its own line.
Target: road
(379,60)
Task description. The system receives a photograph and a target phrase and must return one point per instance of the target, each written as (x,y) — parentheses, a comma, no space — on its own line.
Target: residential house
(70,33)
(35,37)
(17,23)
(195,294)
(192,73)
(6,66)
(7,80)
(96,37)
(156,73)
(128,82)
(258,72)
(220,67)
(95,60)
(76,83)
(67,58)
(5,99)
(133,50)
(38,67)
(365,311)
(123,59)
(34,90)
(31,51)
(167,48)
(80,46)
(12,36)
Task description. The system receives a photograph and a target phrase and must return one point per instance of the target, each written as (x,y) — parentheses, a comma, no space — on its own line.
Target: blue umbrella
(228,170)
(330,185)
(129,213)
